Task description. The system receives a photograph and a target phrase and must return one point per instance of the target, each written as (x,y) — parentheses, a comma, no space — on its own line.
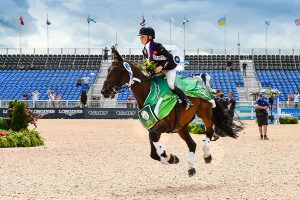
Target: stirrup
(188,104)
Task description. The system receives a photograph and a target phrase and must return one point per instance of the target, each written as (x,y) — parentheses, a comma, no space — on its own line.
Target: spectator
(86,82)
(222,101)
(83,99)
(244,68)
(57,99)
(35,97)
(231,104)
(290,99)
(78,81)
(218,93)
(21,66)
(296,99)
(129,102)
(105,54)
(229,65)
(217,131)
(261,107)
(25,96)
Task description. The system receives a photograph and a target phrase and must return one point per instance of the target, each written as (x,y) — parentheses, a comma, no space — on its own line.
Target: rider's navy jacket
(160,55)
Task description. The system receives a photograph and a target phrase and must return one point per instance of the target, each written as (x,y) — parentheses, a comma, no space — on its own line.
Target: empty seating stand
(14,82)
(212,62)
(50,62)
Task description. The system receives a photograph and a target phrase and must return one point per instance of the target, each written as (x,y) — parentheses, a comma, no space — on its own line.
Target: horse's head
(117,76)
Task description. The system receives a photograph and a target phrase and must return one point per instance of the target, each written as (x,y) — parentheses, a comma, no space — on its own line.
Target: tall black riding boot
(183,97)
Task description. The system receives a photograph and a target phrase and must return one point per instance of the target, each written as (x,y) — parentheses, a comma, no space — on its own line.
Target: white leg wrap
(160,150)
(206,145)
(191,159)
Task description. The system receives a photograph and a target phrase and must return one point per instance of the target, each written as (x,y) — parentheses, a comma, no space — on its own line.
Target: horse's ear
(116,55)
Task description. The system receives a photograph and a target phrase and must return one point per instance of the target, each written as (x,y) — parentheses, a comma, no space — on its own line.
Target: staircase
(95,91)
(251,84)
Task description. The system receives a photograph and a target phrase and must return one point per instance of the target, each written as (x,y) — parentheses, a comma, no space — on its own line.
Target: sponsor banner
(110,113)
(53,113)
(295,112)
(79,113)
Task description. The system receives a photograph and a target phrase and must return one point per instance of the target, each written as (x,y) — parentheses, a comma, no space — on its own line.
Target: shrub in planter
(3,124)
(19,119)
(196,128)
(23,138)
(288,120)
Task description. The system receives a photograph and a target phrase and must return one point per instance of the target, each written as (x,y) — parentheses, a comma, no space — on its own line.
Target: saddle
(161,100)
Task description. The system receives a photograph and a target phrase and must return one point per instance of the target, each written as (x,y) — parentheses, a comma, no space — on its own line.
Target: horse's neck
(142,89)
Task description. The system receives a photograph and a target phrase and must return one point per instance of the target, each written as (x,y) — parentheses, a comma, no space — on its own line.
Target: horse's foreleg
(158,152)
(184,134)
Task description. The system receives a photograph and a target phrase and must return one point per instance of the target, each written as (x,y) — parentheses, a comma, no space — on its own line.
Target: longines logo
(127,113)
(44,112)
(70,112)
(98,112)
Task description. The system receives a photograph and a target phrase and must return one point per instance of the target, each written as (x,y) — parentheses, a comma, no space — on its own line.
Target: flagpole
(239,44)
(184,37)
(225,33)
(47,33)
(88,35)
(266,38)
(20,36)
(116,45)
(170,31)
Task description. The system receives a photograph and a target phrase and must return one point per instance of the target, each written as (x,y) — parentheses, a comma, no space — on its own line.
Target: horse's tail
(223,121)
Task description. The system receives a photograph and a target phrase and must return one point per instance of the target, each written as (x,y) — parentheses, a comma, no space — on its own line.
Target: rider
(157,53)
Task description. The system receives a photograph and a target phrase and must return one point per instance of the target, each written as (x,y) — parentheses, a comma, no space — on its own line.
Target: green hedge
(196,128)
(22,138)
(288,120)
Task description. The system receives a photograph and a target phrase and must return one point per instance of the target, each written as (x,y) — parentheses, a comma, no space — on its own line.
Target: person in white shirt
(35,97)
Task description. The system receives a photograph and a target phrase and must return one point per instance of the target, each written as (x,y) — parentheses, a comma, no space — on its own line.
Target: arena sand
(109,159)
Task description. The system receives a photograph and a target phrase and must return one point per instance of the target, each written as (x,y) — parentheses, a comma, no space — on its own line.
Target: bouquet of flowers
(147,67)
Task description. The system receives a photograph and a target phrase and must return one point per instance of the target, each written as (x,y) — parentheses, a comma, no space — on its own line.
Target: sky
(69,27)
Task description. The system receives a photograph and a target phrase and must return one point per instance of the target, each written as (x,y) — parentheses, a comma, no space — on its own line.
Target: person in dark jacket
(83,98)
(157,53)
(231,104)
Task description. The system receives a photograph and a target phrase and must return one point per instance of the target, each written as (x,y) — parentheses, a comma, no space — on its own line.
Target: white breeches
(171,76)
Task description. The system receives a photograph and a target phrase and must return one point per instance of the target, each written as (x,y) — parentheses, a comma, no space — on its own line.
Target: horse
(178,119)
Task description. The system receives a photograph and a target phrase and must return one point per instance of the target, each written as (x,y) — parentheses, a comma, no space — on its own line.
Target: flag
(143,21)
(267,22)
(184,21)
(222,21)
(297,22)
(171,19)
(90,20)
(21,21)
(48,22)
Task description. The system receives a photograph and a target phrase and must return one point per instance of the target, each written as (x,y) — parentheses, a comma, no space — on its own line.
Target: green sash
(161,100)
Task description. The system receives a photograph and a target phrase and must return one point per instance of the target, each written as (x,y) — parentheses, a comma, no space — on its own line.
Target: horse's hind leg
(184,134)
(206,115)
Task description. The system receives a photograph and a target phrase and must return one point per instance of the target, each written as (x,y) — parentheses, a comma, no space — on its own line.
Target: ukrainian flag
(222,21)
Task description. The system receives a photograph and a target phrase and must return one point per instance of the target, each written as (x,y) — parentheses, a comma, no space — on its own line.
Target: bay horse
(178,119)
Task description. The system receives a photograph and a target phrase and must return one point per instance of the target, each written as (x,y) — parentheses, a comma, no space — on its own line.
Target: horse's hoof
(208,159)
(192,172)
(173,159)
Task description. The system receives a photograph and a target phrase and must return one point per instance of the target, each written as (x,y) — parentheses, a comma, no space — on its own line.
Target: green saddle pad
(162,100)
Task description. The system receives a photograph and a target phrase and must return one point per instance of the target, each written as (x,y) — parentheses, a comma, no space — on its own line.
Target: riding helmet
(147,31)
